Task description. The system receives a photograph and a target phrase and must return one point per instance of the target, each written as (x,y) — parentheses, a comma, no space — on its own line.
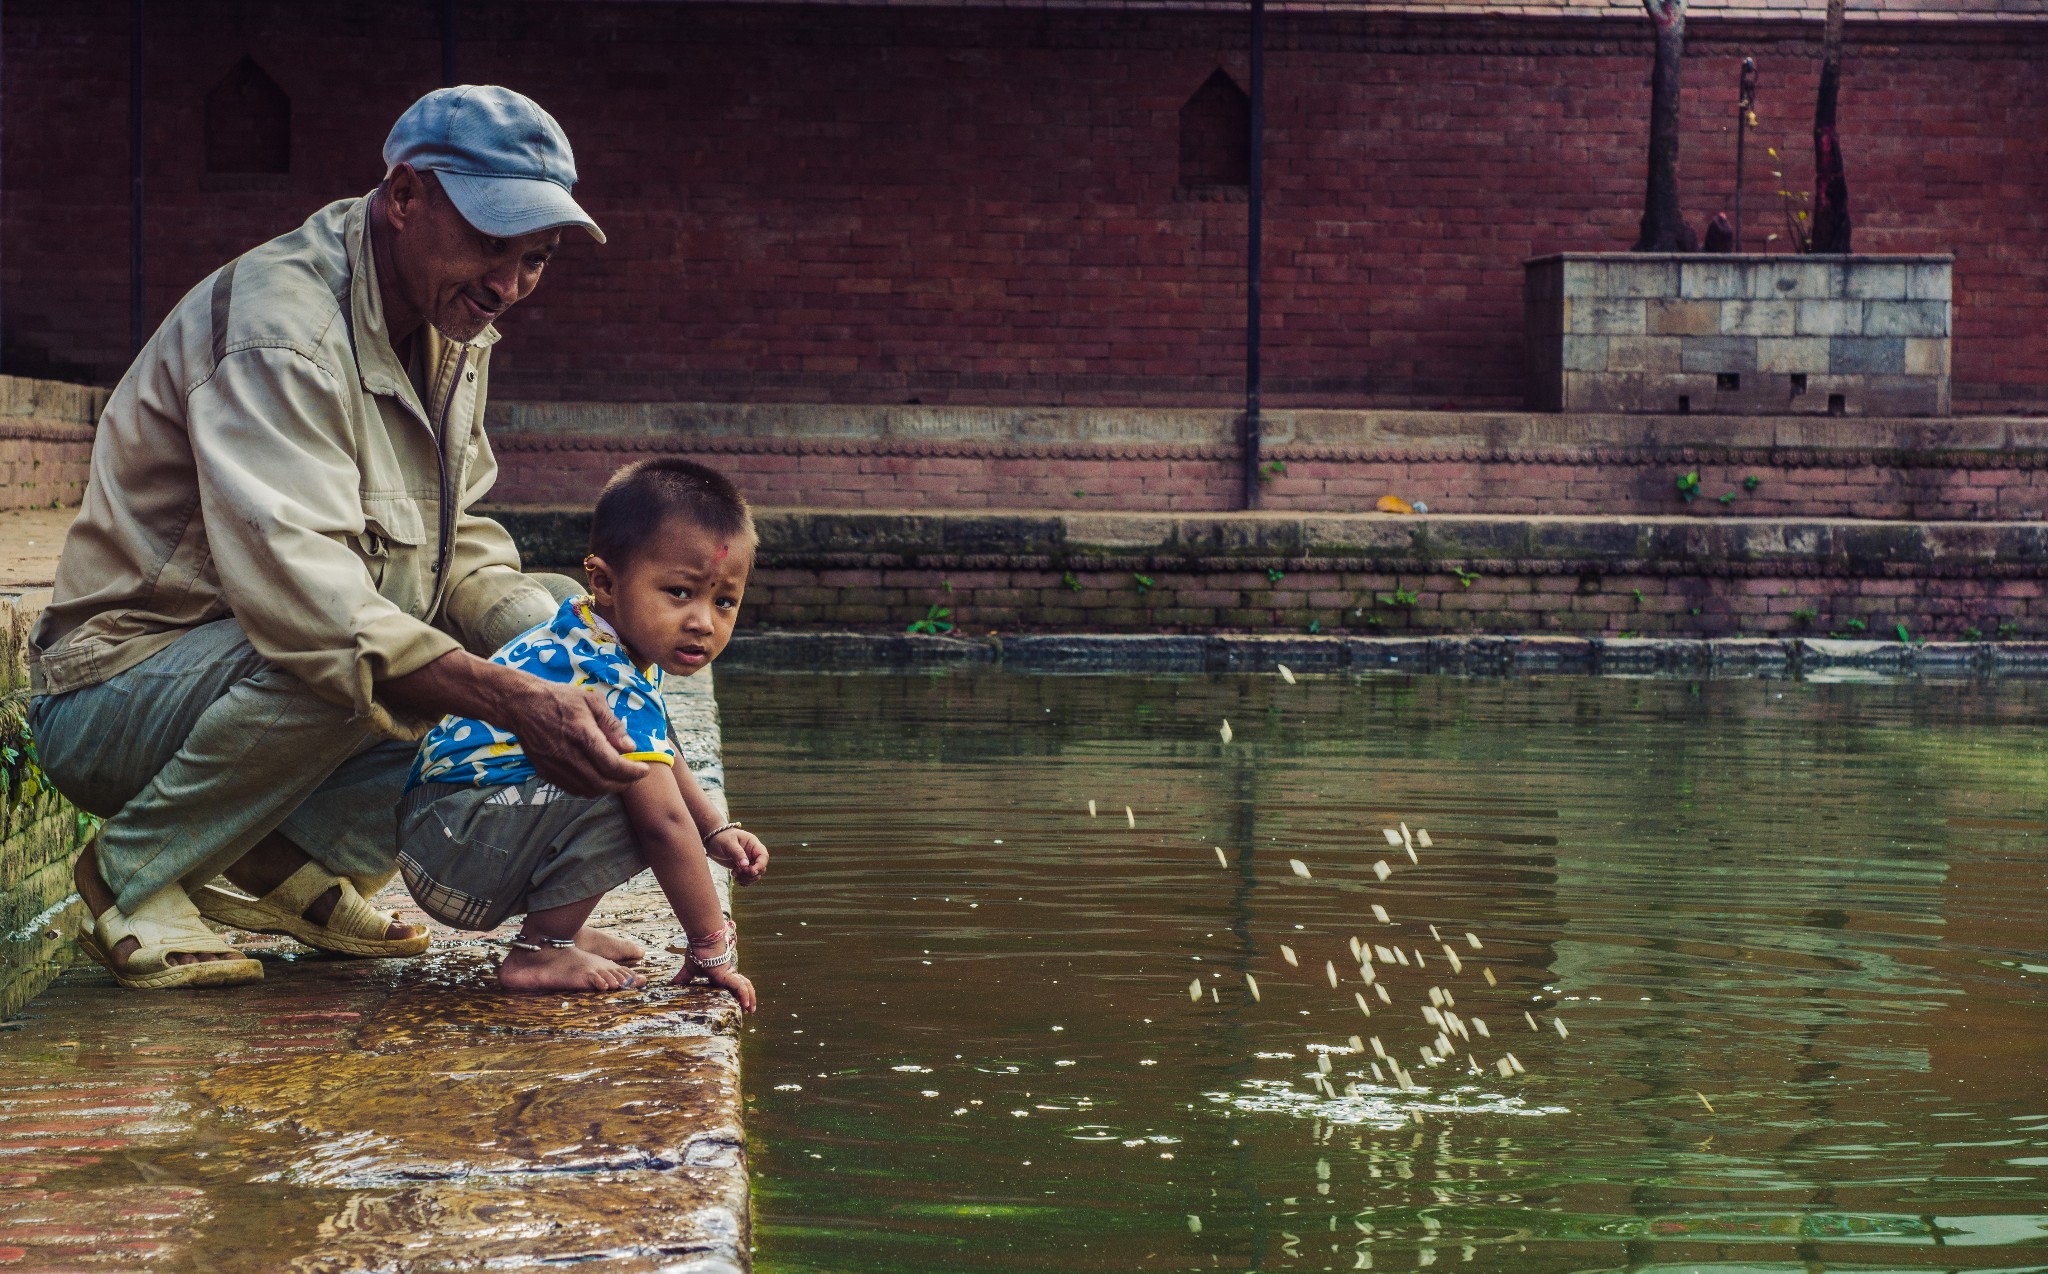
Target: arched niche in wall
(248,125)
(1216,140)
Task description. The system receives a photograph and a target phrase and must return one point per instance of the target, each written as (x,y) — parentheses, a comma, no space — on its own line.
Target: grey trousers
(205,748)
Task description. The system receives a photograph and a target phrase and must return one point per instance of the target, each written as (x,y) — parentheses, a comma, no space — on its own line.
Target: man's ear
(405,193)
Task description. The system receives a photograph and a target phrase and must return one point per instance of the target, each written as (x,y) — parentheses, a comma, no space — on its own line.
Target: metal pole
(1745,106)
(1253,232)
(447,43)
(135,176)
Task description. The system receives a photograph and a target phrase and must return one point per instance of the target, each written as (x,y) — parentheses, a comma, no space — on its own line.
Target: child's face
(676,599)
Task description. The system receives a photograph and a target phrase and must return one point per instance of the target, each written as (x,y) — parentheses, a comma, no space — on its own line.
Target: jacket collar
(378,365)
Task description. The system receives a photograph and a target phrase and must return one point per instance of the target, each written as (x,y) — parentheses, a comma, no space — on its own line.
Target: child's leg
(564,967)
(609,946)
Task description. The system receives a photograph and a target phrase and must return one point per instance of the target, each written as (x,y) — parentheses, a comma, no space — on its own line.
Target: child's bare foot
(608,946)
(563,969)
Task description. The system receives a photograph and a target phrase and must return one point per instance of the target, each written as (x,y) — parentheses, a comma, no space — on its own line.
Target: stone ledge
(840,649)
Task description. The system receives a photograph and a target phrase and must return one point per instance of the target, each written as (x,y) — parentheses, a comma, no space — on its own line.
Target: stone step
(1024,570)
(1164,460)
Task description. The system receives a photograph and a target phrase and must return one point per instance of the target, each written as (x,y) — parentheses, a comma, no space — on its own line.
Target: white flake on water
(1252,984)
(1130,817)
(1225,731)
(1490,979)
(1393,837)
(912,1070)
(1286,673)
(1380,989)
(1558,1022)
(1381,869)
(1330,968)
(1422,838)
(1379,913)
(1362,1007)
(1376,1106)
(1221,861)
(1195,990)
(1473,938)
(1091,809)
(1300,868)
(1287,954)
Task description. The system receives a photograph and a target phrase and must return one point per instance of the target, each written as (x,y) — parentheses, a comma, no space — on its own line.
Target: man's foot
(563,969)
(609,946)
(85,874)
(272,863)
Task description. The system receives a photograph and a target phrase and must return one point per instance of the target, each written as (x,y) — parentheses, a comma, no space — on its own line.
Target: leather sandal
(166,924)
(354,929)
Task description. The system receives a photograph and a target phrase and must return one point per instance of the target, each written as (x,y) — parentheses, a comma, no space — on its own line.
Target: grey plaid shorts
(476,856)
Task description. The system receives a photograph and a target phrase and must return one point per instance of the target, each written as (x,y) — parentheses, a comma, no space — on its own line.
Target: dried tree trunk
(1663,227)
(1830,182)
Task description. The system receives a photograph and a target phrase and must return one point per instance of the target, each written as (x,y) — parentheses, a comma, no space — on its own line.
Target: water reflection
(1794,930)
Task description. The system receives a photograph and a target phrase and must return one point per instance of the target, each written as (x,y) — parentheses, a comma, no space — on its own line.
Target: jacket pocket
(393,545)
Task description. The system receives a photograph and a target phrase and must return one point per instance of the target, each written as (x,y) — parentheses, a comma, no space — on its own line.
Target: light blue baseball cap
(503,160)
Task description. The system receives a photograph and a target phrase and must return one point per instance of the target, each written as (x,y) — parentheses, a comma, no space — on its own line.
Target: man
(277,581)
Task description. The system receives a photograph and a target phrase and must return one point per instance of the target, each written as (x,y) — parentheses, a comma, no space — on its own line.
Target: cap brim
(508,207)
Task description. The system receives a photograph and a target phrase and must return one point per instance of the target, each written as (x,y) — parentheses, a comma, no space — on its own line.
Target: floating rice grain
(1490,979)
(1225,731)
(1351,1090)
(1214,996)
(1300,867)
(1434,936)
(1558,1022)
(1516,1062)
(1091,809)
(1411,854)
(1221,861)
(1366,975)
(1422,838)
(1393,837)
(1703,1101)
(1436,996)
(1432,1015)
(1286,673)
(1357,1045)
(1380,989)
(1252,984)
(1420,963)
(1130,817)
(1356,953)
(1530,1020)
(1377,1078)
(1457,965)
(1287,954)
(1361,1003)
(1330,967)
(1378,1049)
(1407,837)
(1195,991)
(1503,1067)
(1400,957)
(1381,869)
(1479,1025)
(1473,938)
(1386,956)
(1194,1224)
(1450,1001)
(1379,913)
(1323,1062)
(1471,1064)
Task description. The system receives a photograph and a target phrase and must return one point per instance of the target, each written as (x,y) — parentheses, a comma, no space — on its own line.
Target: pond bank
(384,1114)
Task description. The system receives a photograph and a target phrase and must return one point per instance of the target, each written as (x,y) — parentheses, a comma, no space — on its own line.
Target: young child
(483,838)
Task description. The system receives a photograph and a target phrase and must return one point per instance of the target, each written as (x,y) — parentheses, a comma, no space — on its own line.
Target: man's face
(448,272)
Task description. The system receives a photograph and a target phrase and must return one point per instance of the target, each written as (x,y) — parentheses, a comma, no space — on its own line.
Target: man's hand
(573,740)
(571,737)
(742,851)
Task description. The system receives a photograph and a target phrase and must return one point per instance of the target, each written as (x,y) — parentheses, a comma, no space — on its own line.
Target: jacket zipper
(447,500)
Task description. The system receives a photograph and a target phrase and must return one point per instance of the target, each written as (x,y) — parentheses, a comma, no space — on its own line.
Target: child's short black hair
(647,493)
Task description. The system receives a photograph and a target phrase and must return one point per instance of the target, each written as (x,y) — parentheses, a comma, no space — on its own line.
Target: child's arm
(667,835)
(738,848)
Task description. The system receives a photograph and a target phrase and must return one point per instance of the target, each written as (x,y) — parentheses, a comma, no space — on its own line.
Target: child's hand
(740,850)
(724,976)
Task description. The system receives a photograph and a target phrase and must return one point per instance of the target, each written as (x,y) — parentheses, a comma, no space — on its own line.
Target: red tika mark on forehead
(723,549)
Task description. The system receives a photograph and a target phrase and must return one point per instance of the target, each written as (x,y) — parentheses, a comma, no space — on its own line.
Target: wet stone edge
(789,650)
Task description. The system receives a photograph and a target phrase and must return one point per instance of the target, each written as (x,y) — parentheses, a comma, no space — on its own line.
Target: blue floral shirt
(575,648)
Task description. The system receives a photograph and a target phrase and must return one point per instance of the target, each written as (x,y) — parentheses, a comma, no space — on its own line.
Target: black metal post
(1253,234)
(135,176)
(447,43)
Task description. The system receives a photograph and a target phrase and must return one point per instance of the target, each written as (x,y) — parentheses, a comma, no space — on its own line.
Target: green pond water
(1816,908)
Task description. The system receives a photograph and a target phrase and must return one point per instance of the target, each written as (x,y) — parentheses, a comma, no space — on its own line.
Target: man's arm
(568,733)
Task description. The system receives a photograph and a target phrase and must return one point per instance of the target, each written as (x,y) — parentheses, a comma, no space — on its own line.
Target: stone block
(1795,281)
(1829,318)
(1577,278)
(1664,317)
(1758,318)
(1642,353)
(1641,279)
(1848,355)
(1585,353)
(1712,281)
(1883,281)
(1929,282)
(1603,316)
(1926,356)
(1905,318)
(1792,354)
(1719,354)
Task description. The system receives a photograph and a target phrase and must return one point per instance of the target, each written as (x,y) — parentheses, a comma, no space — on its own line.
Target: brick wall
(848,204)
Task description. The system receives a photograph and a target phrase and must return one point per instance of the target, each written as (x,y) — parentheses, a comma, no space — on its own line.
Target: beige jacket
(266,457)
